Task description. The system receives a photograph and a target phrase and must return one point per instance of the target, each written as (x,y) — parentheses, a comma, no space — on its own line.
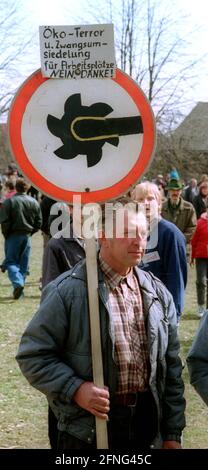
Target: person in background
(52,211)
(166,259)
(174,174)
(12,173)
(191,191)
(200,202)
(61,253)
(199,243)
(142,400)
(179,212)
(45,205)
(10,189)
(33,192)
(204,177)
(197,359)
(159,181)
(20,217)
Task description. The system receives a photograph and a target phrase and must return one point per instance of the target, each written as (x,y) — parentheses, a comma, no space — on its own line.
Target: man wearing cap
(178,211)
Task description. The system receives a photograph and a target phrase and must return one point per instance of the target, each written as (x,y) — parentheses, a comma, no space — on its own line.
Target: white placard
(77,52)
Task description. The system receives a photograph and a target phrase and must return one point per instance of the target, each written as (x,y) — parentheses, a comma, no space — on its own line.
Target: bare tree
(151,48)
(13,41)
(169,66)
(127,36)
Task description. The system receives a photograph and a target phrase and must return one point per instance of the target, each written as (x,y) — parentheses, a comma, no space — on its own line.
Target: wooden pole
(97,363)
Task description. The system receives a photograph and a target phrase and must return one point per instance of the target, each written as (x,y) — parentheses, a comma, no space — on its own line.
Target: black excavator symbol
(85,129)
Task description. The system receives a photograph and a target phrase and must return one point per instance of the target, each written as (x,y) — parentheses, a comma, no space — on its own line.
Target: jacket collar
(180,207)
(147,289)
(69,235)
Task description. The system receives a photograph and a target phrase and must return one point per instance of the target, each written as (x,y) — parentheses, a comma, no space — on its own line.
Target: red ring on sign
(17,111)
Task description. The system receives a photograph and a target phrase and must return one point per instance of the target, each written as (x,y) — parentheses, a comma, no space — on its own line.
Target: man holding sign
(142,399)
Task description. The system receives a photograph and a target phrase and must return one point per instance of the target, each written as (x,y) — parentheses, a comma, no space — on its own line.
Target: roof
(193,131)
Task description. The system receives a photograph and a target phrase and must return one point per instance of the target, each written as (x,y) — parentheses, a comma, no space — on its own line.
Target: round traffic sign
(94,138)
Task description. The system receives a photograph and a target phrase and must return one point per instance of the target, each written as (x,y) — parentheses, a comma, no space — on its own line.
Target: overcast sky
(61,12)
(58,12)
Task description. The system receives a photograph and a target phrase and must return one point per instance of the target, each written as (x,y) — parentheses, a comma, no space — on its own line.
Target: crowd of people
(142,282)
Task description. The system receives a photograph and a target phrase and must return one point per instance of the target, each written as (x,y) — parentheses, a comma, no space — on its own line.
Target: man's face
(175,195)
(125,252)
(151,205)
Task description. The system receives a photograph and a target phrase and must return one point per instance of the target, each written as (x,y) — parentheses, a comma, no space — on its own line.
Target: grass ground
(23,410)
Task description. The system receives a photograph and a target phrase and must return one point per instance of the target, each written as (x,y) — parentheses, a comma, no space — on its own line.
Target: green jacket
(184,216)
(55,351)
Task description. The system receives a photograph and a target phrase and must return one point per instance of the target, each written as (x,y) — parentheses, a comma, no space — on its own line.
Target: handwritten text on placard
(77,51)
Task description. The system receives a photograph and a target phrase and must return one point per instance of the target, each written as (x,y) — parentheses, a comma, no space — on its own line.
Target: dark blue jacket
(197,359)
(167,260)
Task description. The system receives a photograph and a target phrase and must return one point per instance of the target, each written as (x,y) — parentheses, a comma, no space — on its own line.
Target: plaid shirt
(131,353)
